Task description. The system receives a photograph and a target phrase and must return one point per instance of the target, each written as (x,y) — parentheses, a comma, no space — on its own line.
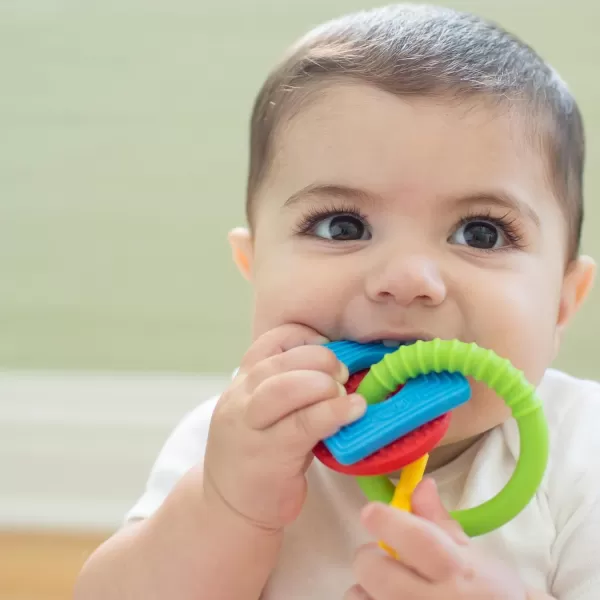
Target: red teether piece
(394,456)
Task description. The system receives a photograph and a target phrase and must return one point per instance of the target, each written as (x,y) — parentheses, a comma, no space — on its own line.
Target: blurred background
(123,128)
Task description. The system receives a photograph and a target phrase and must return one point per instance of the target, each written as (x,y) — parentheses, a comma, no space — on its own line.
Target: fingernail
(357,593)
(342,389)
(358,406)
(343,373)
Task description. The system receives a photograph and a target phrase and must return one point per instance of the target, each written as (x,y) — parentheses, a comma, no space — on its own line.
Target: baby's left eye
(479,234)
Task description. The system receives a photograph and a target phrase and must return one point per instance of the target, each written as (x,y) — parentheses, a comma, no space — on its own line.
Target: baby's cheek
(299,293)
(529,347)
(523,326)
(281,301)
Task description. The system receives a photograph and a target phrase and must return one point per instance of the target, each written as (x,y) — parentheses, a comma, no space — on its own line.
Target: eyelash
(507,224)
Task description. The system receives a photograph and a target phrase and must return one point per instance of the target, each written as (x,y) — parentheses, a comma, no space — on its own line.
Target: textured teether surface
(358,356)
(394,456)
(395,432)
(419,402)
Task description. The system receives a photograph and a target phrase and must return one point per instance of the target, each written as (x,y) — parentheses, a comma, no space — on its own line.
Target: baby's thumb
(427,504)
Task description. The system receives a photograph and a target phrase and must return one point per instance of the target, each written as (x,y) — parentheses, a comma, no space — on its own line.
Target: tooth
(391,343)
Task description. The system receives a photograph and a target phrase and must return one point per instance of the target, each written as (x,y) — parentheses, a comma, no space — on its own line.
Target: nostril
(385,294)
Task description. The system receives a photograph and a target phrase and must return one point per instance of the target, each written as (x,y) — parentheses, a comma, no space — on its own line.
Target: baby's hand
(437,560)
(287,396)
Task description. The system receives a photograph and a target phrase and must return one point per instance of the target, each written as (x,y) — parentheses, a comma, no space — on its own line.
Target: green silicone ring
(508,382)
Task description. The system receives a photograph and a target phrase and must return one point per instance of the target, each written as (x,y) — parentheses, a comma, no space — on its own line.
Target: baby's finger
(302,358)
(281,395)
(421,545)
(279,340)
(304,428)
(426,503)
(384,578)
(356,592)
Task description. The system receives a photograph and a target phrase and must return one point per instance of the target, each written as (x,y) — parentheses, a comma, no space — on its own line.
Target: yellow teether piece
(410,477)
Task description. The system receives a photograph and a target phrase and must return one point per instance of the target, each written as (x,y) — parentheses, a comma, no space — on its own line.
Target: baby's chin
(484,410)
(469,422)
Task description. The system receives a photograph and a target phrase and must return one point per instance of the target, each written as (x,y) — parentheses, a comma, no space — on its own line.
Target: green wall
(123,132)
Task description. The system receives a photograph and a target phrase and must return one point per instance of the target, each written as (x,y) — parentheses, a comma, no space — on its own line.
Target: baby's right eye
(341,228)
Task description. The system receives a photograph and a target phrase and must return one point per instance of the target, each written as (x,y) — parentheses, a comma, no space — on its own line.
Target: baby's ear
(578,281)
(240,240)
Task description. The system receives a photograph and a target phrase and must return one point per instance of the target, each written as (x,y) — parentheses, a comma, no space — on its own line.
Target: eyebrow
(332,190)
(501,199)
(496,198)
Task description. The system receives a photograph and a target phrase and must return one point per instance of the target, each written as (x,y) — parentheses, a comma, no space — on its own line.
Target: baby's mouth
(397,343)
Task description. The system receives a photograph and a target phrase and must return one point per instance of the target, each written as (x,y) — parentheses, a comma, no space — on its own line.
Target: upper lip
(390,335)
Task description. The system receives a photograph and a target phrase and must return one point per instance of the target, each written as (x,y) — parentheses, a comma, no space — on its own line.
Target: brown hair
(421,50)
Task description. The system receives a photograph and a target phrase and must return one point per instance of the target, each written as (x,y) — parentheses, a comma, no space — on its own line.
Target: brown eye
(342,228)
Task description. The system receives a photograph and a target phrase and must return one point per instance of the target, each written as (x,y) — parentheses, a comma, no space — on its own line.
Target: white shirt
(554,543)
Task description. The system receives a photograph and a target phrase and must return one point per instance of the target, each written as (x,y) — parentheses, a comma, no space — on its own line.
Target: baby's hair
(427,51)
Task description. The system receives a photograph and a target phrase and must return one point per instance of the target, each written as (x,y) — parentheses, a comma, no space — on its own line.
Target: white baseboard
(76,448)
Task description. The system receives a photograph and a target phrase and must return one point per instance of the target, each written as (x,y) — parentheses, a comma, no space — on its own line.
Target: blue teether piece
(420,401)
(358,356)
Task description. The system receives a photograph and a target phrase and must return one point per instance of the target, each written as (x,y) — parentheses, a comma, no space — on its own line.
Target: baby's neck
(446,454)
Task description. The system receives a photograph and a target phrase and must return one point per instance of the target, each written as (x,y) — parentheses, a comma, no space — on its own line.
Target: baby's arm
(186,550)
(218,533)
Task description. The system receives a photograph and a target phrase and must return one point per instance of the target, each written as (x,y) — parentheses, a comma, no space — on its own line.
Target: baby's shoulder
(572,408)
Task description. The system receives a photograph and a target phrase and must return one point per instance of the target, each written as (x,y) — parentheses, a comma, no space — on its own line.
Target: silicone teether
(508,382)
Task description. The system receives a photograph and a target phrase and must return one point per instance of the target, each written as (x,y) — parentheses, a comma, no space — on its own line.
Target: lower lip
(394,456)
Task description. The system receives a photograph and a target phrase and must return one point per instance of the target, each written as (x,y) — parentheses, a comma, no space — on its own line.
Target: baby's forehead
(367,138)
(343,117)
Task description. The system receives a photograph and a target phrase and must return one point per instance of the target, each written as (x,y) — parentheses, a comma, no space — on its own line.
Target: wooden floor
(42,566)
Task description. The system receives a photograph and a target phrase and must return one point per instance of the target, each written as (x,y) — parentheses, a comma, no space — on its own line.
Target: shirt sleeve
(183,450)
(575,501)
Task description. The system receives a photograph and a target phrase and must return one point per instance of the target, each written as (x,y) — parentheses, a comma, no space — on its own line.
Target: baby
(414,173)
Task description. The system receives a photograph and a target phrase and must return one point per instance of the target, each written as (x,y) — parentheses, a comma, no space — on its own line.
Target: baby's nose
(406,280)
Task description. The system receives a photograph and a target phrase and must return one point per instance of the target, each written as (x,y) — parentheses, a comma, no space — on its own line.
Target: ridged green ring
(508,382)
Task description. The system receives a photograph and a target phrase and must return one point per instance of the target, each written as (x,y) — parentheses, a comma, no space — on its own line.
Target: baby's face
(386,218)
